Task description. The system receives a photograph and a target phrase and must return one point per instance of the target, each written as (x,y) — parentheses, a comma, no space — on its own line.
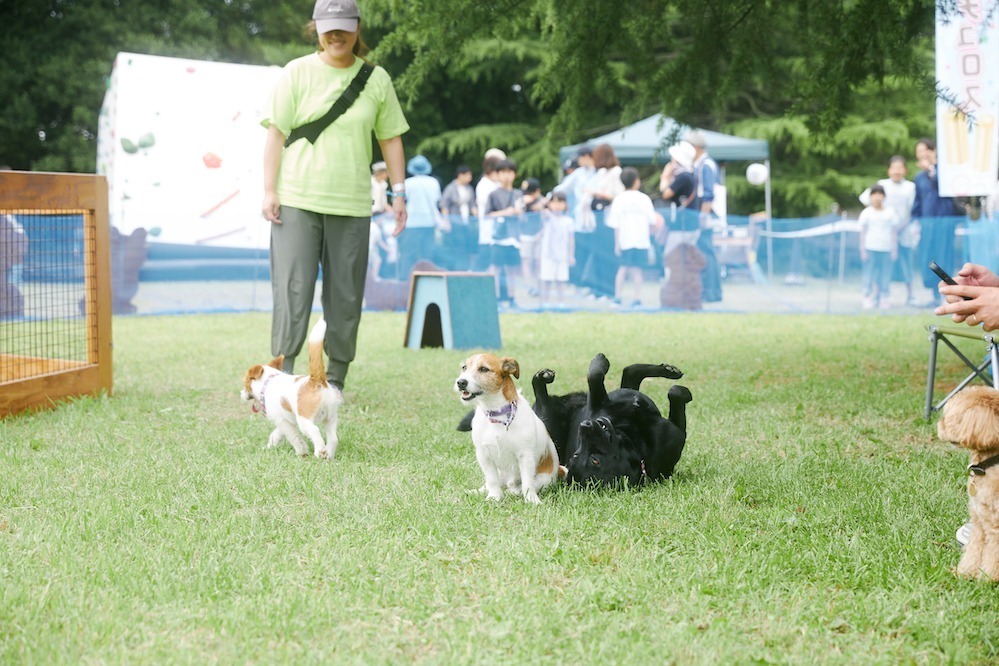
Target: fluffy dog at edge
(971,420)
(297,405)
(512,446)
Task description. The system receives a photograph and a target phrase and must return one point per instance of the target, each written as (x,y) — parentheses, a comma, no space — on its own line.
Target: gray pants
(304,242)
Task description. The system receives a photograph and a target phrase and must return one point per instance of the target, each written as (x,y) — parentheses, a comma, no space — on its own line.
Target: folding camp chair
(978,369)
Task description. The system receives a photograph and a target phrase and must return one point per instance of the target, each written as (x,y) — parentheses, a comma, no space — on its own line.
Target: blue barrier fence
(788,265)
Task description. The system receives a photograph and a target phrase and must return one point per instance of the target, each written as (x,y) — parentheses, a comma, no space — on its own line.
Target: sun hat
(683,153)
(336,15)
(419,166)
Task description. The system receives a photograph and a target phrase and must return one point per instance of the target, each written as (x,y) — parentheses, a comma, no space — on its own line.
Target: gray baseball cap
(332,15)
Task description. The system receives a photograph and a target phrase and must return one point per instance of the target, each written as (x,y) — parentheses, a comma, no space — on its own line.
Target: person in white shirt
(379,189)
(878,248)
(486,185)
(578,201)
(633,218)
(557,248)
(899,196)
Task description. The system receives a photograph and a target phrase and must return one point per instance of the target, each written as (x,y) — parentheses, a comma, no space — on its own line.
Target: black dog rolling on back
(607,438)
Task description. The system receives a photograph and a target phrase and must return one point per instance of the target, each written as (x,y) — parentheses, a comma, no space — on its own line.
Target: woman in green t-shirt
(317,195)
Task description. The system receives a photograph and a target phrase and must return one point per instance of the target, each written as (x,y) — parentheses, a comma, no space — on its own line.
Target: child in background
(632,217)
(376,245)
(383,251)
(878,248)
(458,209)
(558,248)
(504,208)
(530,234)
(900,194)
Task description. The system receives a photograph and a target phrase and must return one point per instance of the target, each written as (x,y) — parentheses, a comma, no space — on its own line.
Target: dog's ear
(971,419)
(277,363)
(511,367)
(255,372)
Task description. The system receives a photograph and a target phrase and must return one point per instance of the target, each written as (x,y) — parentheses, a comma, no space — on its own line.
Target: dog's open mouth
(466,395)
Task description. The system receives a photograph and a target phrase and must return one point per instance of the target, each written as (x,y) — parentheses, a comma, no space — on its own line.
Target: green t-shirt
(333,175)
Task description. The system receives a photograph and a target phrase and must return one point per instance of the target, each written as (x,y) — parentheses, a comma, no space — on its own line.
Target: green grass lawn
(811,518)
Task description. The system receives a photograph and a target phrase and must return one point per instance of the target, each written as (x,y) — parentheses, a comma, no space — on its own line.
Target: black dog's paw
(670,371)
(599,365)
(546,376)
(681,393)
(465,424)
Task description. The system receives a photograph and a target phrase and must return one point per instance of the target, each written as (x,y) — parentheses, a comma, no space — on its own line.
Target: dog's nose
(462,384)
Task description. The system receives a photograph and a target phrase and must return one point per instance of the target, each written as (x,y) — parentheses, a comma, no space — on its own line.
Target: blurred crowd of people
(597,232)
(904,226)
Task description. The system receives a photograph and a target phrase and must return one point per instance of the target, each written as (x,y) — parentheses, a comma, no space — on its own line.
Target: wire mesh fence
(43,292)
(786,265)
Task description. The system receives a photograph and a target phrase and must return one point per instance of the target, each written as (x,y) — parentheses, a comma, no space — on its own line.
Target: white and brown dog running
(512,445)
(298,403)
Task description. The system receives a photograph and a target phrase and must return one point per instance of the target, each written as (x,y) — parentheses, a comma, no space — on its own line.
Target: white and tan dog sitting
(512,445)
(971,419)
(298,402)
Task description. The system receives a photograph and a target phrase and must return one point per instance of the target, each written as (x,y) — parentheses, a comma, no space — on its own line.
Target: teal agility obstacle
(454,310)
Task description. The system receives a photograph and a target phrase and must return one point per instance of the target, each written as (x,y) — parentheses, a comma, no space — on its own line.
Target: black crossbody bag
(312,130)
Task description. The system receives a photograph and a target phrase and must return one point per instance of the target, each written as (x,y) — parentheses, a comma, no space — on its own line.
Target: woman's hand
(399,209)
(271,208)
(983,308)
(974,300)
(273,150)
(666,177)
(976,275)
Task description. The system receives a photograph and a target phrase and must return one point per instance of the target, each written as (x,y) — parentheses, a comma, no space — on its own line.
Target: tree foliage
(836,87)
(58,55)
(703,60)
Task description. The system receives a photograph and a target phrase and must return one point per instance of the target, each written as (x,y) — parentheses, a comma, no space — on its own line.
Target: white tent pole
(770,228)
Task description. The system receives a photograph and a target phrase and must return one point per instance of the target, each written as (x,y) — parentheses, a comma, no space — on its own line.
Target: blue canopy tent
(645,142)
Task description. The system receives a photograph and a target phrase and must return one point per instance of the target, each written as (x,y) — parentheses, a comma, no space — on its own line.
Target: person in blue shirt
(574,186)
(423,196)
(937,216)
(706,175)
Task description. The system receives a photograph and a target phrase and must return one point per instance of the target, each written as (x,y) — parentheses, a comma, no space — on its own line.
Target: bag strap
(313,129)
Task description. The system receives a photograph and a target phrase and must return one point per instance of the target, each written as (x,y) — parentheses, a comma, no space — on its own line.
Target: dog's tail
(317,370)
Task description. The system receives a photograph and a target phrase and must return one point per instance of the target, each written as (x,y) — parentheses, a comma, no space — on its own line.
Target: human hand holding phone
(943,275)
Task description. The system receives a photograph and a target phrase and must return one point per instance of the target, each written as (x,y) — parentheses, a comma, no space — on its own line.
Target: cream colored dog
(512,445)
(971,419)
(297,403)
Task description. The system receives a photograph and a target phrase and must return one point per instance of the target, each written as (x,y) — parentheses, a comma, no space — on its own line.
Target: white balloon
(757,173)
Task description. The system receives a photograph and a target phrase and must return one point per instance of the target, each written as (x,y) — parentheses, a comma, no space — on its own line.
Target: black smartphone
(941,273)
(944,276)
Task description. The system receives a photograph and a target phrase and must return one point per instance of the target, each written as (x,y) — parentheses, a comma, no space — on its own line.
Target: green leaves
(836,87)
